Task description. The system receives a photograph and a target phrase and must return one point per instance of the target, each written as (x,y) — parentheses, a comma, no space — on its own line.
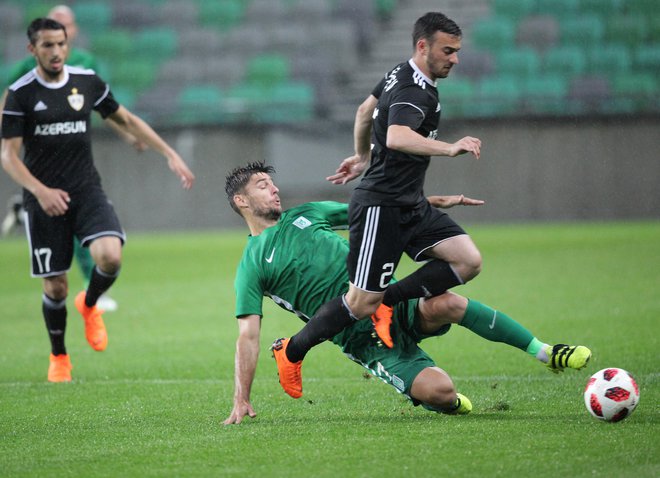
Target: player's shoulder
(23,81)
(80,70)
(410,76)
(316,208)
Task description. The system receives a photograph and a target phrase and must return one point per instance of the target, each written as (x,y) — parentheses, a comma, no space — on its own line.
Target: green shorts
(399,365)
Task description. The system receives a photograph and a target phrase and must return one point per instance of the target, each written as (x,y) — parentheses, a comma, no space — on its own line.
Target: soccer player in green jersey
(297,259)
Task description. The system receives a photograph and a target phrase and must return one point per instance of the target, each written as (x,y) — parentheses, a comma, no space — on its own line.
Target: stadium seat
(546,94)
(654,29)
(475,64)
(523,61)
(124,96)
(134,15)
(630,29)
(157,44)
(641,88)
(497,96)
(584,30)
(494,33)
(559,8)
(603,8)
(647,58)
(515,9)
(180,15)
(609,59)
(588,94)
(93,17)
(644,7)
(221,14)
(539,31)
(200,104)
(134,74)
(456,96)
(112,45)
(567,60)
(268,69)
(288,102)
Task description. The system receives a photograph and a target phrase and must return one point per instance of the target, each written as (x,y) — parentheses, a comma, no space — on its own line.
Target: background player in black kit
(48,111)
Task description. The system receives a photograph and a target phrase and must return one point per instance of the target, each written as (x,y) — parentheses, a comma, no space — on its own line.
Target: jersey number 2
(386,275)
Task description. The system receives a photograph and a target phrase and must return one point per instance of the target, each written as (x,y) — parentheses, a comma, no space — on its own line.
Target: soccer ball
(611,394)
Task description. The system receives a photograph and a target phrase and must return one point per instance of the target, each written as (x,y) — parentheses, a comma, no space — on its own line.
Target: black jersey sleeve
(378,89)
(13,117)
(105,103)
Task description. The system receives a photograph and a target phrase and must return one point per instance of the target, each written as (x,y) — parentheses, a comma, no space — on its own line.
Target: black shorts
(379,235)
(90,216)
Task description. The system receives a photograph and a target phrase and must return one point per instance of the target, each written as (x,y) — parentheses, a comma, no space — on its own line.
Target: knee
(470,266)
(57,288)
(109,261)
(441,396)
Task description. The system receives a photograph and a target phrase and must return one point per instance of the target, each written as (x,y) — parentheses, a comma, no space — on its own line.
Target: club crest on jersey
(302,222)
(76,100)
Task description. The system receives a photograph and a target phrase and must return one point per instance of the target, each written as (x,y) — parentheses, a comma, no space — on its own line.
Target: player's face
(50,50)
(442,54)
(262,196)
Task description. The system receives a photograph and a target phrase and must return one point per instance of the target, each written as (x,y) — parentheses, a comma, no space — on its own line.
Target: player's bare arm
(247,354)
(134,125)
(54,202)
(404,139)
(353,166)
(445,202)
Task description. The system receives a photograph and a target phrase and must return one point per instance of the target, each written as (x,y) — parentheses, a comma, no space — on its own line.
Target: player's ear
(240,201)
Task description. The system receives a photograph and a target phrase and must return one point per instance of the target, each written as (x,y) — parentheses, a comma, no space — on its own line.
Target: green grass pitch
(153,403)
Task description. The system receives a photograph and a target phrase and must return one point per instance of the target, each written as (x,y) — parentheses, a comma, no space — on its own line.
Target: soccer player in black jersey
(48,112)
(395,136)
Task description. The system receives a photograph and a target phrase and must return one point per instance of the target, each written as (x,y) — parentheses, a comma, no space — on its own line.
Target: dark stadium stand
(280,61)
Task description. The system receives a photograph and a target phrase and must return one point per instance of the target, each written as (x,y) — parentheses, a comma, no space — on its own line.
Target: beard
(272,214)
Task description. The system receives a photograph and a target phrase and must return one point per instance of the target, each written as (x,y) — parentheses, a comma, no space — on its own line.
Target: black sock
(54,312)
(329,320)
(98,284)
(432,279)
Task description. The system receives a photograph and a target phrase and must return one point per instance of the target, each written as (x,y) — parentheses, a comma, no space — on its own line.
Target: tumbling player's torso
(54,120)
(405,97)
(299,262)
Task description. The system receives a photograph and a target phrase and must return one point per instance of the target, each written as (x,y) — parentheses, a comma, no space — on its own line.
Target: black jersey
(54,120)
(406,97)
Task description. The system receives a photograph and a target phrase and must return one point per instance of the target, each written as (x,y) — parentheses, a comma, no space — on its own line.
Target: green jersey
(79,58)
(300,262)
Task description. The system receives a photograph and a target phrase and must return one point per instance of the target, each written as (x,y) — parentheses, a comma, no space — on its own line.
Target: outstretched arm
(402,138)
(446,202)
(134,125)
(247,354)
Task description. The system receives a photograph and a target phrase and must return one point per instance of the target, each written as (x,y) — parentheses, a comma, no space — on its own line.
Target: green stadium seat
(609,59)
(546,94)
(93,16)
(559,8)
(157,44)
(603,8)
(497,96)
(515,9)
(456,96)
(584,30)
(135,74)
(200,104)
(629,29)
(288,102)
(641,89)
(268,69)
(647,58)
(654,28)
(494,33)
(124,96)
(522,61)
(644,7)
(568,60)
(112,45)
(221,14)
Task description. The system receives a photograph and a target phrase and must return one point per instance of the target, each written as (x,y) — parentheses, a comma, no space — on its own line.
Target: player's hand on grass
(349,169)
(54,202)
(466,145)
(241,409)
(446,202)
(179,167)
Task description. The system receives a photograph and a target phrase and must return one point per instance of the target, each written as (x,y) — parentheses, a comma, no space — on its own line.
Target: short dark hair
(428,24)
(238,178)
(39,24)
